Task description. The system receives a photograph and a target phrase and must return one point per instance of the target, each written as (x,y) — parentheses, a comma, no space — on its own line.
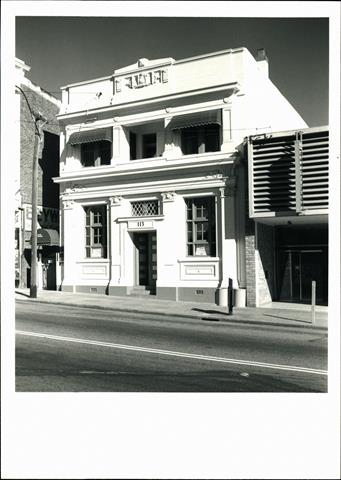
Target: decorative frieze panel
(93,271)
(196,269)
(141,80)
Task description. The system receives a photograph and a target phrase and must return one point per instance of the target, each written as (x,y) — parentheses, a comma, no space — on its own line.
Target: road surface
(72,349)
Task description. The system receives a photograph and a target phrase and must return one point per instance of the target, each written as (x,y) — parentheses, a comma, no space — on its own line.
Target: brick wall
(48,157)
(250,263)
(265,264)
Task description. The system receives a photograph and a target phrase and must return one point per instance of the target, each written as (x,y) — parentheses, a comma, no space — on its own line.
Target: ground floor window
(96,231)
(201,227)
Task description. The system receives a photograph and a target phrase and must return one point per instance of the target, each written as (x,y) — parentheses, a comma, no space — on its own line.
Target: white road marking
(175,354)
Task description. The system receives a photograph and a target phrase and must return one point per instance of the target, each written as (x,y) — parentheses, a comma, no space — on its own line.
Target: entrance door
(296,271)
(145,265)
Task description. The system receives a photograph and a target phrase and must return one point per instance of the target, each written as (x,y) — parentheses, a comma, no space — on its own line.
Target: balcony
(288,174)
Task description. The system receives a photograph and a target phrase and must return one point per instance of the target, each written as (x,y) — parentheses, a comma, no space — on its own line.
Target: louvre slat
(315,155)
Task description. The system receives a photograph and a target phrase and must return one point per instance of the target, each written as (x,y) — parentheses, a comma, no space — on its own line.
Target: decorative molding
(67,204)
(141,80)
(115,201)
(214,175)
(168,197)
(230,187)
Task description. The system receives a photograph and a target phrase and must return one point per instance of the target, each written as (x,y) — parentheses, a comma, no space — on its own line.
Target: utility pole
(34,240)
(38,137)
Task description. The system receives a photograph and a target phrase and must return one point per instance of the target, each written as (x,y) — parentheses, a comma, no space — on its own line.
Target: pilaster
(228,249)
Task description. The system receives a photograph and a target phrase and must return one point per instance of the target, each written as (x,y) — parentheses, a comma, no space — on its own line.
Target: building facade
(287,229)
(153,176)
(48,191)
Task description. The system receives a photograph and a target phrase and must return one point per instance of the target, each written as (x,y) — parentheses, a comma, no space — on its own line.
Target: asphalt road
(71,349)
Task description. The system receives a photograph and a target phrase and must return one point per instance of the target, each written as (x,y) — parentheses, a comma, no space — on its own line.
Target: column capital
(115,201)
(168,196)
(230,187)
(68,204)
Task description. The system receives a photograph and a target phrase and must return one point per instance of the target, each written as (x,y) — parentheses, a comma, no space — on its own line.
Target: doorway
(145,259)
(296,271)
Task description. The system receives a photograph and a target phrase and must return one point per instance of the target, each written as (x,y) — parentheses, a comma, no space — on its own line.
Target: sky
(64,50)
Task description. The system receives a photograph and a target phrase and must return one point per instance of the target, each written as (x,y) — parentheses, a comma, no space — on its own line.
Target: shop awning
(47,237)
(196,119)
(91,136)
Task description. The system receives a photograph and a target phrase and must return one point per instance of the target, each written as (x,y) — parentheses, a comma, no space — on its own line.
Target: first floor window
(95,154)
(201,139)
(96,231)
(201,228)
(149,145)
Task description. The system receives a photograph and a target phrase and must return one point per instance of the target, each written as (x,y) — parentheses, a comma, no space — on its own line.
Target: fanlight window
(145,208)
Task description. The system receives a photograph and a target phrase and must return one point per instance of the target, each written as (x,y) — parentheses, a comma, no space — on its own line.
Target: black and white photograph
(170,239)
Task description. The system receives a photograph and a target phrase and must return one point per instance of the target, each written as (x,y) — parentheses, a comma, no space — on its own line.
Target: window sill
(93,260)
(199,258)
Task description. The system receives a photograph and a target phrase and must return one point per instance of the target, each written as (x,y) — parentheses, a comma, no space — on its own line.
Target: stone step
(142,290)
(139,293)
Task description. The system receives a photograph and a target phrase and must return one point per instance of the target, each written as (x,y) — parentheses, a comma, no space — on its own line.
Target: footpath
(275,314)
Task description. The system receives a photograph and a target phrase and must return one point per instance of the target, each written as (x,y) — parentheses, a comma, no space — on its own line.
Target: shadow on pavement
(23,294)
(287,318)
(208,311)
(207,319)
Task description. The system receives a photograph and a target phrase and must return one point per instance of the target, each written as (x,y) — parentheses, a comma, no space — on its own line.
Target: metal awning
(196,119)
(90,136)
(47,237)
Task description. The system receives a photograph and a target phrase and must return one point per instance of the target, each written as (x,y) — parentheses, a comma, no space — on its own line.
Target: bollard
(230,296)
(313,301)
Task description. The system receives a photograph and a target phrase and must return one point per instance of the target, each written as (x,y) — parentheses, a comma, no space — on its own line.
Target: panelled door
(146,258)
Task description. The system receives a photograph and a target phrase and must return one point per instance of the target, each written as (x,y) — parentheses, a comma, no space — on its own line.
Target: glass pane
(189,234)
(189,141)
(200,229)
(189,211)
(105,152)
(149,145)
(212,138)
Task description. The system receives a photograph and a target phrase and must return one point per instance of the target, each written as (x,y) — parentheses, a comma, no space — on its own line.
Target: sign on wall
(47,217)
(140,225)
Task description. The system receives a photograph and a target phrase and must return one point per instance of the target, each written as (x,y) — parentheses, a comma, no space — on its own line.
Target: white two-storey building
(153,192)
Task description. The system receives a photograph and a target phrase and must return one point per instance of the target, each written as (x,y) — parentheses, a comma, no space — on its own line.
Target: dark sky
(63,50)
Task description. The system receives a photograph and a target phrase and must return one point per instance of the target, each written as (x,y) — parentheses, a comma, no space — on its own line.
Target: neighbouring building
(287,231)
(154,180)
(48,191)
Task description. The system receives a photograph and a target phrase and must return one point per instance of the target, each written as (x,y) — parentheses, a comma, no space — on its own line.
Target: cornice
(150,101)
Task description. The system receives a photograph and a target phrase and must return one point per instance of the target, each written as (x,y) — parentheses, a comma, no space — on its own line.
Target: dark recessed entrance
(145,259)
(297,270)
(302,256)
